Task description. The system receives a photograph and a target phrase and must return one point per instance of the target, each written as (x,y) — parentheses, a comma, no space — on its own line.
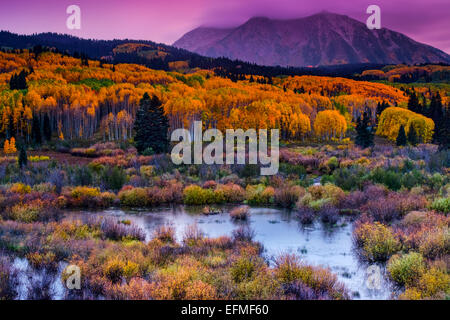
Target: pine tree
(22,80)
(364,137)
(413,102)
(23,160)
(444,139)
(18,81)
(413,139)
(401,137)
(380,108)
(437,114)
(151,126)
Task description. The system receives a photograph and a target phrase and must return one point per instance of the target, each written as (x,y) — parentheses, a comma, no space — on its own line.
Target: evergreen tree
(436,113)
(23,159)
(364,132)
(413,102)
(380,108)
(18,81)
(444,138)
(401,137)
(151,126)
(413,139)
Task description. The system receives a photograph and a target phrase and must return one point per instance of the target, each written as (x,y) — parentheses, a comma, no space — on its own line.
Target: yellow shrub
(146,171)
(82,191)
(20,188)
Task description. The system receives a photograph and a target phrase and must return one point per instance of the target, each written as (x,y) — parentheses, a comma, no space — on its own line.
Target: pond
(280,232)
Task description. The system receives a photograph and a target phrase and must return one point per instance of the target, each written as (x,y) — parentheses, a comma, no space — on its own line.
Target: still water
(280,232)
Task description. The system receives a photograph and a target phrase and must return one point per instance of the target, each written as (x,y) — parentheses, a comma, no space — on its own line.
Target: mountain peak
(325,38)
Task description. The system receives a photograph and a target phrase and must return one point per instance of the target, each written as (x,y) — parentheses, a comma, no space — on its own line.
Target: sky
(165,21)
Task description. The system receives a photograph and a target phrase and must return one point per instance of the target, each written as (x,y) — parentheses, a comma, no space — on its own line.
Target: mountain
(317,40)
(158,56)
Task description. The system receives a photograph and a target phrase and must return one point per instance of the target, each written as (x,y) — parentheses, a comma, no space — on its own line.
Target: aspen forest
(92,100)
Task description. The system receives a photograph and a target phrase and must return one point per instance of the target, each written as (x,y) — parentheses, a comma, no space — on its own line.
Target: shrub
(287,197)
(47,260)
(192,235)
(333,163)
(317,192)
(244,234)
(136,289)
(200,290)
(305,214)
(354,200)
(44,187)
(414,218)
(26,212)
(334,193)
(407,268)
(407,202)
(259,195)
(113,178)
(240,213)
(114,270)
(106,199)
(9,280)
(329,214)
(147,171)
(434,283)
(287,268)
(210,184)
(232,193)
(115,230)
(244,268)
(20,188)
(435,242)
(135,197)
(82,176)
(195,195)
(441,205)
(349,178)
(389,178)
(165,234)
(82,191)
(324,284)
(33,211)
(382,209)
(376,241)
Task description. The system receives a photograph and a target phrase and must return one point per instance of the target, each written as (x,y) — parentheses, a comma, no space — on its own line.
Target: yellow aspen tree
(6,147)
(12,145)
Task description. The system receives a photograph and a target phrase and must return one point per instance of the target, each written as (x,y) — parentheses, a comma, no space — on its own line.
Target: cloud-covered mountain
(320,39)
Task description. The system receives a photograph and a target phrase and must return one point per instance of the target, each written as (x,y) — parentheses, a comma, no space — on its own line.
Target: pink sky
(426,21)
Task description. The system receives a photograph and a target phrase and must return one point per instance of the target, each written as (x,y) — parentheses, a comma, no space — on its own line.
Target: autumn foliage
(76,101)
(393,118)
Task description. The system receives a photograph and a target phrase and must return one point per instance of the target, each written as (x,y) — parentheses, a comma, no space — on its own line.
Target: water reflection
(279,231)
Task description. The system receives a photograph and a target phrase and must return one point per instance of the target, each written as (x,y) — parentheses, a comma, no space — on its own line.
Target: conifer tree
(151,126)
(413,139)
(364,137)
(401,137)
(413,102)
(23,160)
